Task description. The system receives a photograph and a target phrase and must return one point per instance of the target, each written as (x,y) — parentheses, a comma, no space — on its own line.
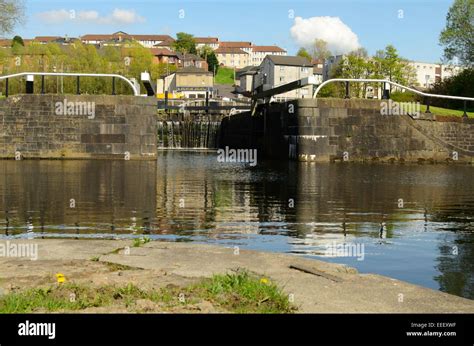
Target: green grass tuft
(240,292)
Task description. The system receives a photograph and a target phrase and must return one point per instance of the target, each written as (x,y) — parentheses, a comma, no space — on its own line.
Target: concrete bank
(315,286)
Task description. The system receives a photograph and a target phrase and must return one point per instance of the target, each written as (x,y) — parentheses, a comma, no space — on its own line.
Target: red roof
(234,44)
(162,52)
(47,38)
(105,37)
(206,40)
(273,49)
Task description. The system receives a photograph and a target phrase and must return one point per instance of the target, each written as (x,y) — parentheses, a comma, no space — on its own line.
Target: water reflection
(409,218)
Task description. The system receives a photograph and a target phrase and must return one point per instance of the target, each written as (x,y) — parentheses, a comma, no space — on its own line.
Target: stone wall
(350,130)
(108,127)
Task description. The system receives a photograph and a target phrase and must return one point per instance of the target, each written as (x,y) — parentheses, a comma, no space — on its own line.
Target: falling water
(188,134)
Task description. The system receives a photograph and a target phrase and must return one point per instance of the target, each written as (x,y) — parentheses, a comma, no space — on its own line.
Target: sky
(412,26)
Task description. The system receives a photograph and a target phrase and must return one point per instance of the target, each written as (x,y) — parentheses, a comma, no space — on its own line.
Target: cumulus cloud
(118,16)
(339,37)
(55,16)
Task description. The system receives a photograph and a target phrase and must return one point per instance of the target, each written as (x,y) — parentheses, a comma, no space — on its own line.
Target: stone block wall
(118,126)
(352,130)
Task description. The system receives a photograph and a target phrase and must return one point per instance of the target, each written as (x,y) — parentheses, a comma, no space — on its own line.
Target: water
(188,134)
(428,240)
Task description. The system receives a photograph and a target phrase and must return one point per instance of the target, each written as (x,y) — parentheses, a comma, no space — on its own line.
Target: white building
(212,42)
(428,73)
(260,52)
(277,70)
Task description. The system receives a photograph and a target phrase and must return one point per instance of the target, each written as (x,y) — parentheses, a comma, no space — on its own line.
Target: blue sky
(376,23)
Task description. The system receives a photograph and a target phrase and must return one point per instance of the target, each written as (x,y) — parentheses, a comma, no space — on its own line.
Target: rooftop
(192,70)
(235,44)
(268,49)
(289,60)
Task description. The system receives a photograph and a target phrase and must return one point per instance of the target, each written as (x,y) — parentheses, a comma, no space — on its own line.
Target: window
(304,70)
(282,78)
(282,68)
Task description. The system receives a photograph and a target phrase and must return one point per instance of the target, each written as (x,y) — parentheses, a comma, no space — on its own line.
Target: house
(54,39)
(260,52)
(245,77)
(427,74)
(330,64)
(186,60)
(318,69)
(191,81)
(47,39)
(119,37)
(277,70)
(212,42)
(232,57)
(165,44)
(245,46)
(164,56)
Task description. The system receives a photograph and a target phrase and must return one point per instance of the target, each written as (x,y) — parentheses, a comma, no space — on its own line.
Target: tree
(11,14)
(208,54)
(18,40)
(302,52)
(320,50)
(458,35)
(388,64)
(185,43)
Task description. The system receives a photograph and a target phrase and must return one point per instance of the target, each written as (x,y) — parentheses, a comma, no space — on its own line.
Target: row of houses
(235,54)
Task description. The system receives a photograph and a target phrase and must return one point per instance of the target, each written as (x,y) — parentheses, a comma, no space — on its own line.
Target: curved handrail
(71,74)
(392,83)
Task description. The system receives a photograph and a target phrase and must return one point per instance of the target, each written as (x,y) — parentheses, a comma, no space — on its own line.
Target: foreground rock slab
(314,286)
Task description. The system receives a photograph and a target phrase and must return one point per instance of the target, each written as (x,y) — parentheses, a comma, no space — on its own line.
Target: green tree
(185,43)
(11,14)
(18,40)
(320,50)
(388,64)
(458,35)
(302,52)
(207,53)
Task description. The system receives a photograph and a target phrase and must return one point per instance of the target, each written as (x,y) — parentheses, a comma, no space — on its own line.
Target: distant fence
(30,80)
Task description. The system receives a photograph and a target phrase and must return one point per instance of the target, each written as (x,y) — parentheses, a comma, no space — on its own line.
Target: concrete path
(315,286)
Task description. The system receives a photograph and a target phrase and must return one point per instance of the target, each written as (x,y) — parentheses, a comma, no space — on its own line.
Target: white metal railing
(71,74)
(320,86)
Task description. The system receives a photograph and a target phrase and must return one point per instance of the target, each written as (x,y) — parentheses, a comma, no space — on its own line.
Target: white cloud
(339,37)
(55,16)
(118,16)
(88,15)
(125,17)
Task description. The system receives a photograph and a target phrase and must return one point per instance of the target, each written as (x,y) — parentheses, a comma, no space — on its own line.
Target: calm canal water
(184,196)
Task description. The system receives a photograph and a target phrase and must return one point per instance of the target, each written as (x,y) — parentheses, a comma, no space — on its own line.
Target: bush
(461,84)
(406,96)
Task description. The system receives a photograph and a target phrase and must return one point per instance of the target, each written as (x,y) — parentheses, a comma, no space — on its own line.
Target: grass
(225,75)
(243,293)
(240,293)
(137,242)
(446,111)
